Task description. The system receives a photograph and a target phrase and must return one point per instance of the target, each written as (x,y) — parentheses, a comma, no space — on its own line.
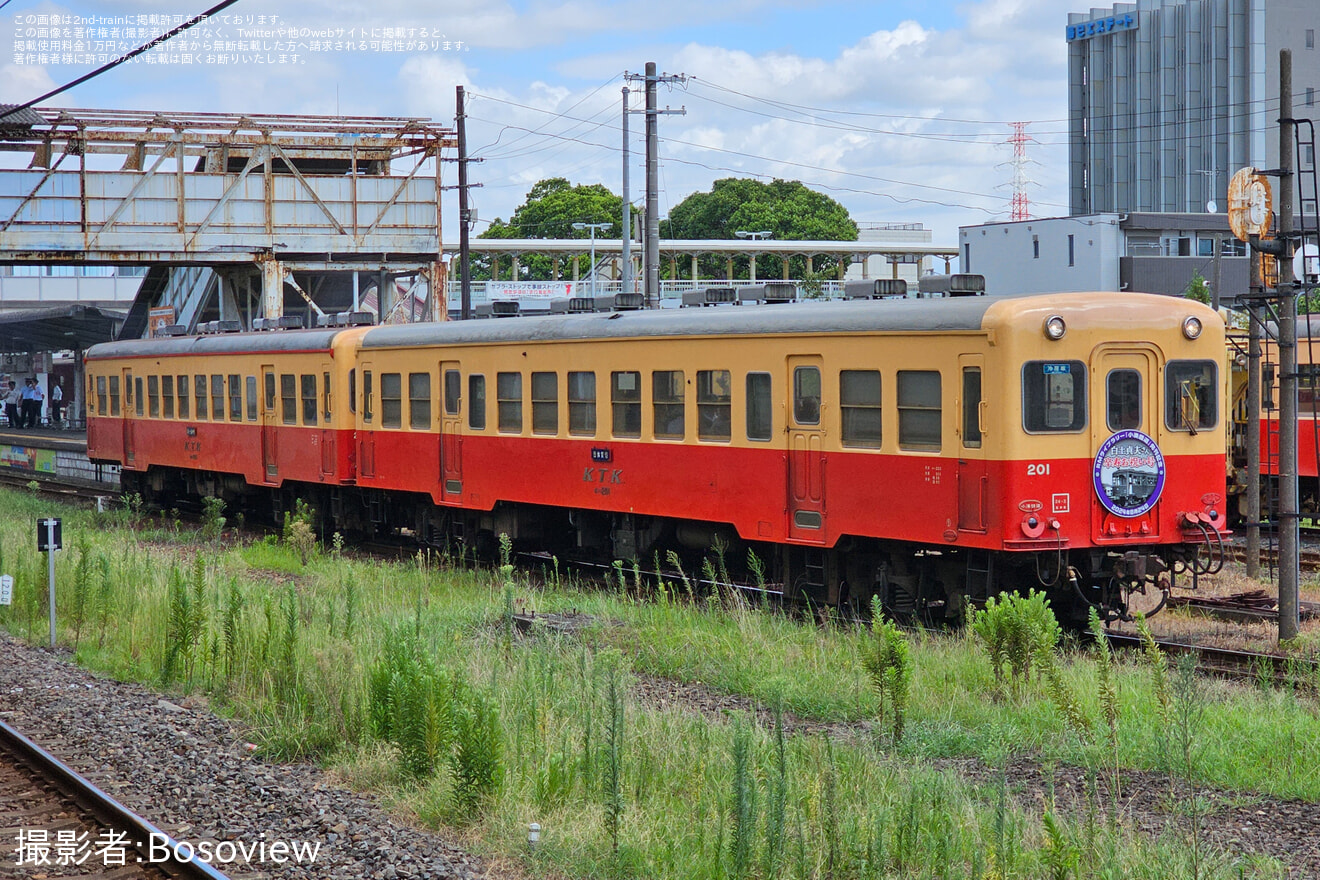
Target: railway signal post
(50,538)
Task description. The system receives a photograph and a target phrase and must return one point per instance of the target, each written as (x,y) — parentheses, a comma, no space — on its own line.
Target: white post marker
(48,539)
(6,589)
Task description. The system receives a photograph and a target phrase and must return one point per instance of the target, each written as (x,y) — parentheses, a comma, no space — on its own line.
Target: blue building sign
(1101,26)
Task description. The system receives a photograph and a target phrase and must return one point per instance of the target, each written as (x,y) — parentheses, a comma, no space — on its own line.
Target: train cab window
(167,396)
(760,414)
(325,395)
(453,392)
(367,411)
(183,397)
(477,402)
(667,402)
(391,400)
(919,410)
(153,396)
(1053,396)
(137,394)
(114,395)
(419,401)
(582,403)
(971,414)
(1190,395)
(806,395)
(235,397)
(251,400)
(307,385)
(101,398)
(1123,400)
(288,399)
(218,398)
(859,405)
(626,403)
(508,398)
(714,405)
(545,403)
(199,394)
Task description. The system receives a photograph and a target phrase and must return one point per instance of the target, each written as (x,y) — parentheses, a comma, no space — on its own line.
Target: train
(927,452)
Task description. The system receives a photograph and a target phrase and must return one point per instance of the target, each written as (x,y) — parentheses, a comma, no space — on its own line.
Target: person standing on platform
(13,404)
(56,402)
(38,398)
(25,419)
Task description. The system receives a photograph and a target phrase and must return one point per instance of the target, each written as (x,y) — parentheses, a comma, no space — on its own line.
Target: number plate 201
(1038,469)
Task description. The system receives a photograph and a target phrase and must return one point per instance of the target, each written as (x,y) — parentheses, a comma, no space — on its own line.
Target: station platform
(52,453)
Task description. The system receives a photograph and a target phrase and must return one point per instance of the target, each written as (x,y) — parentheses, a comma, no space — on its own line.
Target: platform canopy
(59,328)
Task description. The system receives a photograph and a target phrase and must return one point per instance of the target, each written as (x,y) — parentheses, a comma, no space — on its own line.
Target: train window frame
(391,400)
(714,408)
(268,389)
(114,396)
(477,401)
(453,391)
(167,397)
(581,389)
(308,396)
(367,413)
(217,397)
(419,401)
(181,387)
(153,396)
(915,410)
(250,397)
(508,402)
(1177,403)
(1038,407)
(235,397)
(759,408)
(102,396)
(325,396)
(668,404)
(288,399)
(545,402)
(972,395)
(860,416)
(1118,414)
(352,391)
(201,396)
(137,395)
(626,404)
(806,405)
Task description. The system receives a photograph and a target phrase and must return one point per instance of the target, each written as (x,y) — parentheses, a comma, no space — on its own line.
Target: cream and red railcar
(925,451)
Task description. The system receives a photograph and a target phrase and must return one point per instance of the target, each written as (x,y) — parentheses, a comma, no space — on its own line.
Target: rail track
(56,823)
(1255,666)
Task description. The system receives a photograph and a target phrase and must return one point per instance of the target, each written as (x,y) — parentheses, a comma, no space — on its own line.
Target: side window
(288,399)
(251,397)
(760,414)
(508,396)
(325,396)
(1053,396)
(183,397)
(153,396)
(1189,395)
(626,404)
(667,400)
(453,392)
(477,402)
(268,383)
(137,394)
(114,395)
(545,403)
(419,401)
(102,400)
(859,406)
(919,413)
(218,398)
(367,402)
(167,397)
(307,385)
(199,395)
(352,390)
(582,404)
(235,397)
(391,400)
(1123,400)
(971,426)
(714,405)
(806,395)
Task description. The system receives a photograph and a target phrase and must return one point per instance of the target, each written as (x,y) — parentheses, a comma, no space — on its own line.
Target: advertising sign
(1129,473)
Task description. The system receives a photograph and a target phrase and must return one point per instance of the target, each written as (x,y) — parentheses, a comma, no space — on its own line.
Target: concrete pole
(652,248)
(625,231)
(1255,331)
(1289,515)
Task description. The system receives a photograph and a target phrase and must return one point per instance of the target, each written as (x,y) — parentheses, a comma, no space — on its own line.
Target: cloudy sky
(897,109)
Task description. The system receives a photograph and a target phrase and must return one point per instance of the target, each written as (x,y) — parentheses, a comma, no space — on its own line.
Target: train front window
(1053,397)
(1123,400)
(1190,398)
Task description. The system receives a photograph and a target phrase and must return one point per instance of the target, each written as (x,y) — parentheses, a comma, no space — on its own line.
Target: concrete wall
(1170,275)
(1032,256)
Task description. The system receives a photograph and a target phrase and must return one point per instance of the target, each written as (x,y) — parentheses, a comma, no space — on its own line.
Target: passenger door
(366,422)
(269,425)
(973,478)
(806,455)
(130,450)
(451,424)
(1128,467)
(328,441)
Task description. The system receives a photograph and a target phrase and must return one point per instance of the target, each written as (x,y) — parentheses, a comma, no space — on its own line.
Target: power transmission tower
(1018,140)
(651,242)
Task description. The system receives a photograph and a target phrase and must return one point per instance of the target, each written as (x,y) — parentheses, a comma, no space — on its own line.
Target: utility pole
(464,267)
(625,231)
(651,243)
(1289,514)
(1255,331)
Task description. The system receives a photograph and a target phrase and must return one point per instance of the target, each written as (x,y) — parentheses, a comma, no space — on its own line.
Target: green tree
(1197,288)
(785,208)
(551,208)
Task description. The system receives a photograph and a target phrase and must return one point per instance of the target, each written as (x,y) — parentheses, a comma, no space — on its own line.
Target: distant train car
(930,452)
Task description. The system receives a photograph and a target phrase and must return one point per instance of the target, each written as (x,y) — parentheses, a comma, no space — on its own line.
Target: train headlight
(1191,326)
(1055,327)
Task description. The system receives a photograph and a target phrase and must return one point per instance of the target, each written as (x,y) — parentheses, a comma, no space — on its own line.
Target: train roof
(282,342)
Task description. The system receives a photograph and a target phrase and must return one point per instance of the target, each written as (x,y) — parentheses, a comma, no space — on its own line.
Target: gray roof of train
(826,317)
(224,343)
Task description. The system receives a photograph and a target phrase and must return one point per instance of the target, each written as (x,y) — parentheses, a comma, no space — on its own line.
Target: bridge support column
(272,288)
